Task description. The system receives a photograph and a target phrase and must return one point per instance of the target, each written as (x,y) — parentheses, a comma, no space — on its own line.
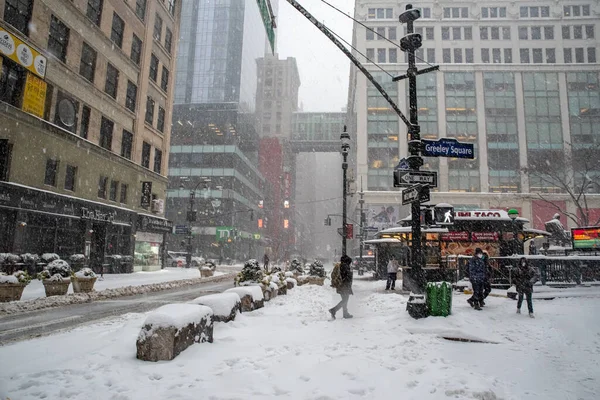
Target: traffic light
(409,15)
(327,221)
(411,42)
(261,204)
(286,223)
(286,204)
(260,223)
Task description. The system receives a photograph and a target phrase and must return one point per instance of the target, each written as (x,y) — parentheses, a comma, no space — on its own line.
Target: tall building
(85,109)
(215,133)
(519,80)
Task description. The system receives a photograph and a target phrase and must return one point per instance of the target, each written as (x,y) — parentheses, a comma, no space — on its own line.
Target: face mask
(480,255)
(523,263)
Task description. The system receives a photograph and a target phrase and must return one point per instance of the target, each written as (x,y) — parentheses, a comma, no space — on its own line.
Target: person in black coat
(477,275)
(345,287)
(524,277)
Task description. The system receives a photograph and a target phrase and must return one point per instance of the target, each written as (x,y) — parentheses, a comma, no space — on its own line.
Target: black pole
(344,169)
(188,256)
(362,225)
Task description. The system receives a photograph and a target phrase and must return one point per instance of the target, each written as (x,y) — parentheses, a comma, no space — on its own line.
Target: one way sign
(417,193)
(403,177)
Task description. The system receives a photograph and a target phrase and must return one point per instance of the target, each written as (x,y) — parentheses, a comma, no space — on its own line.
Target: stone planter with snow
(291,283)
(206,272)
(12,286)
(56,287)
(56,277)
(172,328)
(83,280)
(225,306)
(302,279)
(282,290)
(251,296)
(316,280)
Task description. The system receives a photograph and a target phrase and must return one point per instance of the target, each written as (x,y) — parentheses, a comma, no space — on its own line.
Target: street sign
(349,231)
(447,147)
(417,193)
(403,164)
(180,229)
(403,177)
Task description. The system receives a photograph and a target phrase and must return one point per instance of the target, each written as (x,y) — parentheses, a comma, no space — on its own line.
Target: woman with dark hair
(524,277)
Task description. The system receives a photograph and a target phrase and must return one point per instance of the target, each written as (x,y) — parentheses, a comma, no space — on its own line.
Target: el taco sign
(21,53)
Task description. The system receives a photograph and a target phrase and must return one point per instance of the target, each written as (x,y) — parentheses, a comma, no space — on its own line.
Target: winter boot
(332,312)
(348,316)
(470,301)
(518,311)
(531,315)
(477,307)
(482,303)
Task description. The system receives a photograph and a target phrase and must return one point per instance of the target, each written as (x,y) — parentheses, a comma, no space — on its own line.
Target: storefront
(150,237)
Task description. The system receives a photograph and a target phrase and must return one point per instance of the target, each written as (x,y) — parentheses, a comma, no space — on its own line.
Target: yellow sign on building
(23,54)
(34,96)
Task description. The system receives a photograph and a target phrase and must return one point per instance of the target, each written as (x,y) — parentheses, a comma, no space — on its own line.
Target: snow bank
(8,279)
(176,316)
(254,291)
(221,303)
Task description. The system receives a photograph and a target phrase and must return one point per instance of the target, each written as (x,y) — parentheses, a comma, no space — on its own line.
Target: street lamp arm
(340,215)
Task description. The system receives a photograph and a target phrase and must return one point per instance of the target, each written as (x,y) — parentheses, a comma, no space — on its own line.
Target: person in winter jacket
(344,288)
(392,269)
(524,277)
(478,276)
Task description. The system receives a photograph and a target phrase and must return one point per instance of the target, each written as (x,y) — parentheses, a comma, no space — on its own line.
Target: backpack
(336,277)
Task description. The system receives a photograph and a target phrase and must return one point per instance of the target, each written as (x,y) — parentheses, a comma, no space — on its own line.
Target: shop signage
(266,13)
(447,147)
(34,96)
(455,236)
(484,236)
(97,215)
(482,214)
(23,54)
(180,230)
(223,233)
(149,223)
(146,194)
(586,238)
(257,236)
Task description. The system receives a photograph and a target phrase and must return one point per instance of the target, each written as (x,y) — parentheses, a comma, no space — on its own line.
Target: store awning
(384,240)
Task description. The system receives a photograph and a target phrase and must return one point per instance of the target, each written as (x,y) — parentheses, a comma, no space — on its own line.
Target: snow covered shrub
(49,257)
(296,266)
(29,258)
(77,258)
(57,270)
(210,265)
(18,277)
(277,278)
(84,273)
(317,269)
(251,273)
(9,258)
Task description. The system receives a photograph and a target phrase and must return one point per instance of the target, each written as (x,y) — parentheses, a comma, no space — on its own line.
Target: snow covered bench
(172,328)
(224,305)
(251,296)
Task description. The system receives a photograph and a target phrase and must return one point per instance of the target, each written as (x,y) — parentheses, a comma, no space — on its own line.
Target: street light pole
(345,139)
(361,201)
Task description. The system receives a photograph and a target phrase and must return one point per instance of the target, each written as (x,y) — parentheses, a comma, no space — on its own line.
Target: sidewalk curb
(41,303)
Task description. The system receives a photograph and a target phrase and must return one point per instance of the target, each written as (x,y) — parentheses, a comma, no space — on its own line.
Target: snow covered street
(290,349)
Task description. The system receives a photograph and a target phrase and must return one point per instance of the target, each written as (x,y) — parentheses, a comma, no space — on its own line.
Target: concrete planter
(83,285)
(316,280)
(206,272)
(54,288)
(11,291)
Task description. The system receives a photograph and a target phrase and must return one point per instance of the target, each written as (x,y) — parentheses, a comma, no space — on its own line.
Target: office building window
(116,32)
(496,57)
(130,100)
(136,49)
(380,13)
(429,33)
(458,59)
(591,52)
(431,55)
(538,57)
(579,55)
(149,110)
(445,33)
(168,40)
(493,12)
(123,197)
(157,161)
(153,67)
(456,33)
(548,33)
(485,55)
(114,188)
(536,32)
(508,56)
(524,56)
(535,12)
(495,33)
(51,172)
(506,33)
(94,11)
(126,144)
(164,82)
(392,34)
(393,56)
(87,65)
(456,12)
(483,33)
(523,33)
(577,32)
(171,6)
(589,32)
(140,9)
(370,55)
(370,35)
(58,39)
(158,23)
(112,81)
(542,110)
(18,14)
(381,55)
(146,155)
(380,33)
(102,186)
(106,133)
(576,11)
(446,57)
(70,176)
(85,122)
(469,56)
(568,55)
(160,123)
(550,56)
(566,32)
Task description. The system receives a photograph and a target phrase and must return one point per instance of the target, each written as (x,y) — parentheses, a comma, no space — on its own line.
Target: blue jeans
(529,301)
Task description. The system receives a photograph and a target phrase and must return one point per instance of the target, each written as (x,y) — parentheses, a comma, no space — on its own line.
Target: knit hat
(345,259)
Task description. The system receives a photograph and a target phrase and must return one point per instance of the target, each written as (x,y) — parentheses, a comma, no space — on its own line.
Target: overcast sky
(324,69)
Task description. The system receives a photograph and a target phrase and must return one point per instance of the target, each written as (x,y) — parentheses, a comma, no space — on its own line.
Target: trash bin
(439,298)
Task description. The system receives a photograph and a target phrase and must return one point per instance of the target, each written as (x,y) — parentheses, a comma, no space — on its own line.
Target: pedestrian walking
(532,248)
(266,262)
(487,286)
(524,278)
(392,269)
(341,280)
(477,274)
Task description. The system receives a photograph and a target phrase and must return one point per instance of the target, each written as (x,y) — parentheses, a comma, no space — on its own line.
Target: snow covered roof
(384,240)
(408,229)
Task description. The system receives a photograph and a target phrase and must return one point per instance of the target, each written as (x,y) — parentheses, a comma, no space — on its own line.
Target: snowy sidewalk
(290,349)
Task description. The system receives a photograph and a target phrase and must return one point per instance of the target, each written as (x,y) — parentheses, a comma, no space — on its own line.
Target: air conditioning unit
(158,206)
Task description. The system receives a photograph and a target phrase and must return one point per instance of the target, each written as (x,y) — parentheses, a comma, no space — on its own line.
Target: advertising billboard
(586,238)
(382,217)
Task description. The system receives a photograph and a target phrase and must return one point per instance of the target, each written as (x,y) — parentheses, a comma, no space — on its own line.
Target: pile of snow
(174,316)
(254,291)
(292,280)
(289,274)
(8,279)
(221,303)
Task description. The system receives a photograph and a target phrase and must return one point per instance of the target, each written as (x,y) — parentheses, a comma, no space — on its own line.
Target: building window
(568,55)
(58,39)
(106,133)
(469,56)
(483,33)
(496,57)
(381,55)
(85,122)
(370,55)
(506,33)
(495,33)
(149,110)
(87,66)
(577,32)
(380,13)
(171,6)
(51,172)
(136,49)
(431,55)
(549,33)
(153,67)
(493,12)
(114,188)
(429,35)
(18,14)
(566,32)
(550,56)
(524,56)
(126,144)
(157,160)
(146,155)
(536,33)
(370,35)
(130,100)
(576,11)
(591,51)
(446,57)
(485,56)
(123,197)
(589,31)
(102,184)
(380,33)
(112,81)
(140,9)
(538,57)
(535,12)
(116,33)
(392,34)
(508,56)
(523,34)
(164,81)
(168,40)
(456,12)
(393,56)
(160,124)
(579,55)
(94,11)
(157,28)
(70,178)
(445,33)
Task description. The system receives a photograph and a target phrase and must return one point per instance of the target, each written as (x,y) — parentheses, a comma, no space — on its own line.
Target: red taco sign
(484,236)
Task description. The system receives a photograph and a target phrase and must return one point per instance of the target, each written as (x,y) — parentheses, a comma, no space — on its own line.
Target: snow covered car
(178,259)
